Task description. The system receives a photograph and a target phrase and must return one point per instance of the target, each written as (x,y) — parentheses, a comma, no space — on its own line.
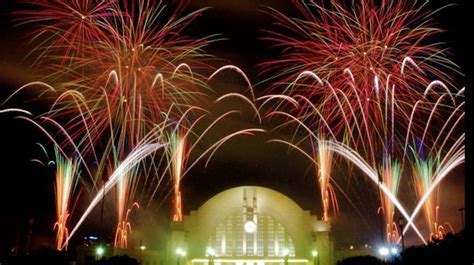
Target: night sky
(26,189)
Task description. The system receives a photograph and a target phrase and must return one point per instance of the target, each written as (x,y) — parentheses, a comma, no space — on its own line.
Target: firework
(357,160)
(124,228)
(390,175)
(66,177)
(355,78)
(371,38)
(357,69)
(117,66)
(328,195)
(445,144)
(359,74)
(139,153)
(119,70)
(177,150)
(125,190)
(424,172)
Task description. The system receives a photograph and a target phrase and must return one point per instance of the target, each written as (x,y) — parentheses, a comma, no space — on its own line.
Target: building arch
(300,227)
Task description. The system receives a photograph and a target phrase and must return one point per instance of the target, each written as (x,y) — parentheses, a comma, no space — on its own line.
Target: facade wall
(304,230)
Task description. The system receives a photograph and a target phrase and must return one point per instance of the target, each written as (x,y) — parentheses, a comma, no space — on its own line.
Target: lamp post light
(384,252)
(315,256)
(401,223)
(142,248)
(99,251)
(180,253)
(211,254)
(394,251)
(286,254)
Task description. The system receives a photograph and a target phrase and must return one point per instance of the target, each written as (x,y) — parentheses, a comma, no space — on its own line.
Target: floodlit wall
(306,232)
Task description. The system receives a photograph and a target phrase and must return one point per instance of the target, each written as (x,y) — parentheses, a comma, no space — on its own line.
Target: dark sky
(26,190)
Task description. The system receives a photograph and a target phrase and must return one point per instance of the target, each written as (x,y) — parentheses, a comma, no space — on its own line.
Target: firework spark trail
(369,133)
(181,144)
(456,158)
(122,70)
(124,228)
(452,158)
(238,70)
(125,51)
(31,84)
(324,176)
(13,110)
(177,157)
(314,161)
(369,37)
(431,162)
(423,173)
(357,160)
(121,64)
(66,177)
(139,153)
(351,69)
(125,193)
(116,67)
(390,176)
(68,26)
(423,177)
(436,107)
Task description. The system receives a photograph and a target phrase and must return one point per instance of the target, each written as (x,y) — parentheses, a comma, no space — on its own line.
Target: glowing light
(99,251)
(250,227)
(252,261)
(314,253)
(383,251)
(394,251)
(180,252)
(210,252)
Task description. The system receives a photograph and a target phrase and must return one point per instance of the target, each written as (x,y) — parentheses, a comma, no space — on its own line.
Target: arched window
(269,239)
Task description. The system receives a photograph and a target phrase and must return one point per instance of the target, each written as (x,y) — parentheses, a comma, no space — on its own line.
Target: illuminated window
(269,239)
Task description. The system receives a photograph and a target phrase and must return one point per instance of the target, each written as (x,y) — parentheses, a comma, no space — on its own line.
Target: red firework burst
(360,64)
(369,37)
(117,63)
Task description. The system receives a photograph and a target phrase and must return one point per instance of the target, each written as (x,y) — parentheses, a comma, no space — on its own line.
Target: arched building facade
(250,226)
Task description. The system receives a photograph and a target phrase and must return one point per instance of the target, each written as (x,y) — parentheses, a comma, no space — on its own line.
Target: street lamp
(142,248)
(180,253)
(99,251)
(211,254)
(315,256)
(383,251)
(401,223)
(394,251)
(286,253)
